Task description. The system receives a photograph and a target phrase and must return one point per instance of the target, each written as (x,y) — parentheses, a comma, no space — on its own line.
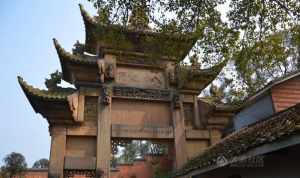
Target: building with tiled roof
(266,140)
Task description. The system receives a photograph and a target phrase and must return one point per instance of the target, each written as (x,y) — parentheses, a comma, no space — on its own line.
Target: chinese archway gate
(128,85)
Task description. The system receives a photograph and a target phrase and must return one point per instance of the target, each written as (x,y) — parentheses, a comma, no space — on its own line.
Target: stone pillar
(57,152)
(104,134)
(179,134)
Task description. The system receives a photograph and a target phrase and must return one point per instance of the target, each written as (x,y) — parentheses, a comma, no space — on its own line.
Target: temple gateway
(128,85)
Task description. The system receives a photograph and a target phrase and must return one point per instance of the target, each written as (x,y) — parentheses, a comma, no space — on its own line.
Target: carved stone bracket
(73,104)
(176,100)
(139,93)
(106,95)
(106,70)
(101,68)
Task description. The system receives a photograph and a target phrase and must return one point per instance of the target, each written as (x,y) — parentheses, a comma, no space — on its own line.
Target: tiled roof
(200,78)
(122,38)
(57,95)
(65,56)
(238,143)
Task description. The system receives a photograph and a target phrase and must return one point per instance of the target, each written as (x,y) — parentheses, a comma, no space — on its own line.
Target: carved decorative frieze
(140,93)
(139,61)
(73,173)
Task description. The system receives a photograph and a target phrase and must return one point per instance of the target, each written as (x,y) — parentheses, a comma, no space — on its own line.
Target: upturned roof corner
(35,93)
(198,79)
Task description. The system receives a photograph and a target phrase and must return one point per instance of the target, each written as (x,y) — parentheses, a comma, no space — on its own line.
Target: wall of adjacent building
(35,173)
(257,111)
(286,94)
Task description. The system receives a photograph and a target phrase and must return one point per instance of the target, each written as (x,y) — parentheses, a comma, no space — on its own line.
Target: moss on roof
(276,127)
(200,78)
(146,41)
(60,94)
(65,56)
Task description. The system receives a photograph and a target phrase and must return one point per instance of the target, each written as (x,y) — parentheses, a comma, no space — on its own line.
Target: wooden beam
(192,134)
(139,132)
(82,131)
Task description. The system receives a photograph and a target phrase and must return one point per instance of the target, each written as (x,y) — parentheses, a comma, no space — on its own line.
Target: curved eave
(205,76)
(52,105)
(42,94)
(90,25)
(94,30)
(68,58)
(35,94)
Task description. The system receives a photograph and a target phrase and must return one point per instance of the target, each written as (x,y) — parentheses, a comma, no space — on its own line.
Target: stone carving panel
(139,93)
(143,78)
(90,110)
(141,113)
(76,173)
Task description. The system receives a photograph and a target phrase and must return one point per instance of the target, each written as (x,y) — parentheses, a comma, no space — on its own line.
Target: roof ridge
(29,90)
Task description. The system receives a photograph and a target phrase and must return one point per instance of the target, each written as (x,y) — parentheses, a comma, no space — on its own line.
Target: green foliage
(14,164)
(42,163)
(260,38)
(139,149)
(139,19)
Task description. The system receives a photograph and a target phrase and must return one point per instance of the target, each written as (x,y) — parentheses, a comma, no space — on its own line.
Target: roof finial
(139,19)
(194,62)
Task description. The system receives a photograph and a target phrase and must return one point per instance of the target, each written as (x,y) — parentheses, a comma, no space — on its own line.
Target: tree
(139,149)
(42,163)
(14,164)
(260,38)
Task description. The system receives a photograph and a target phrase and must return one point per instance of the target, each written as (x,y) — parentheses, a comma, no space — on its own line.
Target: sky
(26,49)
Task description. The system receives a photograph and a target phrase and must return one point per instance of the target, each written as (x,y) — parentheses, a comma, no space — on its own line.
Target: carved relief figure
(73,104)
(106,96)
(101,68)
(110,71)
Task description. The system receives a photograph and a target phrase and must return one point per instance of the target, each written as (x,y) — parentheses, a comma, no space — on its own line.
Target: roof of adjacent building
(277,127)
